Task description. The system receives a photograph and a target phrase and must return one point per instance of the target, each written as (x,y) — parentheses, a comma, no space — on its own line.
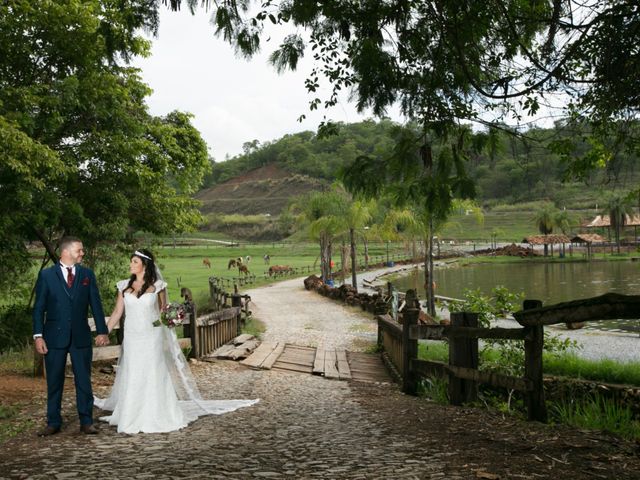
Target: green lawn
(509,225)
(182,266)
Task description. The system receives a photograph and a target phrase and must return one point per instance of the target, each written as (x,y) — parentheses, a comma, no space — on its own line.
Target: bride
(154,390)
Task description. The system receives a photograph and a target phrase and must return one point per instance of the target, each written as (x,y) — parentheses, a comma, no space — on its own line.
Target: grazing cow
(279,270)
(206,262)
(266,258)
(243,269)
(232,263)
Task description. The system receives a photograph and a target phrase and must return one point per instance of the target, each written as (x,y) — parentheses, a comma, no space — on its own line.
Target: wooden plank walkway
(328,362)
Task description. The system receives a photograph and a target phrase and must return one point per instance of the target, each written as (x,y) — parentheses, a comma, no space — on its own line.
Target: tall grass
(254,327)
(594,412)
(17,361)
(570,365)
(566,364)
(597,413)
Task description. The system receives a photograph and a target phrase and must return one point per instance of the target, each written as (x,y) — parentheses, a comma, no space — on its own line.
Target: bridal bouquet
(172,314)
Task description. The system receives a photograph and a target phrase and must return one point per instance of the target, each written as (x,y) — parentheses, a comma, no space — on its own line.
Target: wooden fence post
(463,352)
(212,290)
(536,406)
(409,350)
(236,301)
(191,330)
(379,309)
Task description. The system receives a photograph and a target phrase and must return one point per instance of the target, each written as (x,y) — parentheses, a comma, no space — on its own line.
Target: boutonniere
(85,281)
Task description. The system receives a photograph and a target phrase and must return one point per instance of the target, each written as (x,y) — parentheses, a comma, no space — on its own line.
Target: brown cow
(243,269)
(279,270)
(206,262)
(232,263)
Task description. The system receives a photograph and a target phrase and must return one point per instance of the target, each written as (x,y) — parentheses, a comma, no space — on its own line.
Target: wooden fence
(220,298)
(213,330)
(400,344)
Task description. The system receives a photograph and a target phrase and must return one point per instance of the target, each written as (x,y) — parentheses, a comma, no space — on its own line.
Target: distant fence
(400,345)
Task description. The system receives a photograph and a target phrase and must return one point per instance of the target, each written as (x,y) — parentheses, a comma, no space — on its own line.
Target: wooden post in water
(463,352)
(536,406)
(409,350)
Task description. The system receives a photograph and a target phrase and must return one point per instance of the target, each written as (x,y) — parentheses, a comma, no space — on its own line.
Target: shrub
(15,326)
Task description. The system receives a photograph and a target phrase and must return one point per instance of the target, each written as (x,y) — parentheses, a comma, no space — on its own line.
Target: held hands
(102,340)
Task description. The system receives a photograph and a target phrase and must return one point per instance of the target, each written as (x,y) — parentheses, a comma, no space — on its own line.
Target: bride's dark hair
(150,276)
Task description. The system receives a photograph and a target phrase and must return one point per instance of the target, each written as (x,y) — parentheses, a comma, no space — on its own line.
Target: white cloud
(233,100)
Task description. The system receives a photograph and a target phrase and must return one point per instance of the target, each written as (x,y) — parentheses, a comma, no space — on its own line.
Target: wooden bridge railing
(463,335)
(211,331)
(203,336)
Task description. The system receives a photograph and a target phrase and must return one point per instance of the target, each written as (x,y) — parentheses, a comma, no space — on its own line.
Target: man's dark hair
(66,241)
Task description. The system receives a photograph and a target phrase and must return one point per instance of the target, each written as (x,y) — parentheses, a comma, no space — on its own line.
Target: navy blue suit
(60,316)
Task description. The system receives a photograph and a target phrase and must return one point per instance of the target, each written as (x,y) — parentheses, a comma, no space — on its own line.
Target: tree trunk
(343,261)
(431,304)
(366,253)
(325,257)
(51,251)
(352,235)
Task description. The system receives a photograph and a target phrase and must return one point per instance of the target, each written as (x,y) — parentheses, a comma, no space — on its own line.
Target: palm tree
(425,172)
(358,215)
(562,220)
(418,222)
(544,220)
(618,208)
(323,212)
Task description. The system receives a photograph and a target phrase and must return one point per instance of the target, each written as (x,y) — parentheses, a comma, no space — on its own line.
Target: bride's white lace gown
(145,395)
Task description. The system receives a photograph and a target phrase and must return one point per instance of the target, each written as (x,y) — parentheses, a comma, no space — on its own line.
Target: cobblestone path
(309,427)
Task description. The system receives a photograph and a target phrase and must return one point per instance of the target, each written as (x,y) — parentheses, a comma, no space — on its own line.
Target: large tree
(79,152)
(453,58)
(425,172)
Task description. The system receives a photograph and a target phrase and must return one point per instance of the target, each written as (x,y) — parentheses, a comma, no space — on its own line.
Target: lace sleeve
(160,285)
(122,284)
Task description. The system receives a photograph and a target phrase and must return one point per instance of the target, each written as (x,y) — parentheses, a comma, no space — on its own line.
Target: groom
(64,293)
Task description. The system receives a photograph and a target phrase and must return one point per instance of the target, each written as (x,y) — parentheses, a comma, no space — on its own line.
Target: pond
(549,282)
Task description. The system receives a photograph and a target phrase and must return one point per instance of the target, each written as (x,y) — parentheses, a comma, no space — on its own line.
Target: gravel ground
(307,427)
(295,315)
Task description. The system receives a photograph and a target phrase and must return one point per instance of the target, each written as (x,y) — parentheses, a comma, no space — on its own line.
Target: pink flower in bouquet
(172,314)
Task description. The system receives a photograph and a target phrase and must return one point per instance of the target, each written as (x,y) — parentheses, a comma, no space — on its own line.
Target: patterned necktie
(70,277)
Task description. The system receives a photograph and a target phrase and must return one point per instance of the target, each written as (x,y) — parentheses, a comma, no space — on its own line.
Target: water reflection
(549,282)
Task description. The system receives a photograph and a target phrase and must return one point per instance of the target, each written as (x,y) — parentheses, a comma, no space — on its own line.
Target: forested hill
(517,169)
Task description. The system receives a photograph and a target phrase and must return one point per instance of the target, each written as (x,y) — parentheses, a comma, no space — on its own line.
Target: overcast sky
(233,100)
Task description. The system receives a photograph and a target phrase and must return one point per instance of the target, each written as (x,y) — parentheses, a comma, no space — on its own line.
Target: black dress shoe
(50,430)
(88,429)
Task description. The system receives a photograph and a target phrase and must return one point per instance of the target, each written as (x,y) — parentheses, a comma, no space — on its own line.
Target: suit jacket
(60,313)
